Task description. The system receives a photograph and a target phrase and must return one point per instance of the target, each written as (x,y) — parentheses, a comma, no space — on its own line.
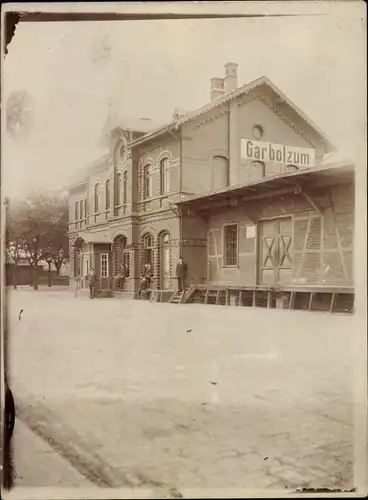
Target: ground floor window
(231,245)
(104,265)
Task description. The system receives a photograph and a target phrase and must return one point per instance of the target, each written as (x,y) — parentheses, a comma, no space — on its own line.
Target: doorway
(165,261)
(275,252)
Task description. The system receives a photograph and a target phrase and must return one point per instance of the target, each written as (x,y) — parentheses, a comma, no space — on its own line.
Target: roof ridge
(247,87)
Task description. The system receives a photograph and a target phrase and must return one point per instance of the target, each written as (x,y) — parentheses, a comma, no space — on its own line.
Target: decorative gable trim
(241,91)
(288,122)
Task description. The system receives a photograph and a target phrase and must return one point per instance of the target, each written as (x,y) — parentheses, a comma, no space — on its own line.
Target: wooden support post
(227,297)
(333,300)
(269,299)
(292,299)
(254,299)
(206,297)
(218,297)
(240,298)
(311,297)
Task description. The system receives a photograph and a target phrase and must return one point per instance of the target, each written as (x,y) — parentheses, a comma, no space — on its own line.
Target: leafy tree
(40,225)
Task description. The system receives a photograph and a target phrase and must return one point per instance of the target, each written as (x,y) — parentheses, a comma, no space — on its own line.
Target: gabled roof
(179,113)
(81,176)
(259,82)
(117,120)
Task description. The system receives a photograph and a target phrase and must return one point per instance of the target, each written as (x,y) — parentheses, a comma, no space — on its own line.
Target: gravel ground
(139,394)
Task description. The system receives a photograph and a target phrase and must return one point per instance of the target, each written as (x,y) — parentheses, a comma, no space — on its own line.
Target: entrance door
(275,256)
(85,265)
(165,251)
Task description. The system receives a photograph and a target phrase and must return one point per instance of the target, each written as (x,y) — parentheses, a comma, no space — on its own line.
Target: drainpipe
(228,145)
(180,190)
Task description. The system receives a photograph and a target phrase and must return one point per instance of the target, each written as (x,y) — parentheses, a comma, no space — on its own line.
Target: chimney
(217,88)
(231,77)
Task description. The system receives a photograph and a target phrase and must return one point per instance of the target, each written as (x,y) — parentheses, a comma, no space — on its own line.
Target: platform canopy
(302,181)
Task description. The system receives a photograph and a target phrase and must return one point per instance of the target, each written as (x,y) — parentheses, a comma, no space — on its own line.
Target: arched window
(76,214)
(97,204)
(164,176)
(148,249)
(117,189)
(147,182)
(125,186)
(166,239)
(107,194)
(220,172)
(81,204)
(260,168)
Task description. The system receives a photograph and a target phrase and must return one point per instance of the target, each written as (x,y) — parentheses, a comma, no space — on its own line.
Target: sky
(149,68)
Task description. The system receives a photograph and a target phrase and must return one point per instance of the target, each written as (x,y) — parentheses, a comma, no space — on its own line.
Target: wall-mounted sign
(251,232)
(277,153)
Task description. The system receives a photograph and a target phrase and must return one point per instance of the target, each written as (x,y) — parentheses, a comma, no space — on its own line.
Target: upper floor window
(220,172)
(125,186)
(117,189)
(107,194)
(147,182)
(164,176)
(76,211)
(260,167)
(85,209)
(231,245)
(81,212)
(257,132)
(97,204)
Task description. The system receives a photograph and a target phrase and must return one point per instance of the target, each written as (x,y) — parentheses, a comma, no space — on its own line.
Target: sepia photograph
(198,172)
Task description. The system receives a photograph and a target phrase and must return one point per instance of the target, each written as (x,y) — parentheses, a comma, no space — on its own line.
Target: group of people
(146,279)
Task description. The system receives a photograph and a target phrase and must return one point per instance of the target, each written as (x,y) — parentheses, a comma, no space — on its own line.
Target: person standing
(181,273)
(92,282)
(148,273)
(148,276)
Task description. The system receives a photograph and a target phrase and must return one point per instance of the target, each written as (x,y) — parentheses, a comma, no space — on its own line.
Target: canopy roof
(93,237)
(318,176)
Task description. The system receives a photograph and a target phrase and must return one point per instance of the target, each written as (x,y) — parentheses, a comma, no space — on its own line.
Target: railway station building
(253,195)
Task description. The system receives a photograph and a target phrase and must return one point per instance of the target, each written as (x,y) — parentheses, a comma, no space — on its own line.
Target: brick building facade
(187,189)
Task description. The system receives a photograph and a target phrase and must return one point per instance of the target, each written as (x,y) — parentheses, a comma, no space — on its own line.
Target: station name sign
(277,153)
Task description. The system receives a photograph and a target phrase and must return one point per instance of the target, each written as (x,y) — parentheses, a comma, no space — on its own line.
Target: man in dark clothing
(92,282)
(143,287)
(146,282)
(181,273)
(148,274)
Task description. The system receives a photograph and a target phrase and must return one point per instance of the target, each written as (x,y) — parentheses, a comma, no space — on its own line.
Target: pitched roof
(81,176)
(262,81)
(117,120)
